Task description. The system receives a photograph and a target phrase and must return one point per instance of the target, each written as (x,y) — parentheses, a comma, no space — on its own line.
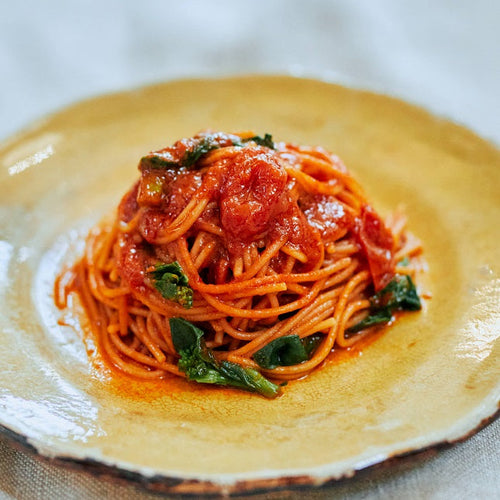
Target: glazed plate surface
(433,377)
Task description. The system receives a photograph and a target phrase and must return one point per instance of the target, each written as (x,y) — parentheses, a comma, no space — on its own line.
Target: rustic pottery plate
(432,378)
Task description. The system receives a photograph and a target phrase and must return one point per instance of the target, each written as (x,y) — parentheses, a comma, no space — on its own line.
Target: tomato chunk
(378,244)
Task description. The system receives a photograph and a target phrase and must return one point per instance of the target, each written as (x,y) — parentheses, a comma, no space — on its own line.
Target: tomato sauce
(254,201)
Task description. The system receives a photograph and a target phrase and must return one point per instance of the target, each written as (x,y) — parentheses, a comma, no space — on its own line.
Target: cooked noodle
(274,241)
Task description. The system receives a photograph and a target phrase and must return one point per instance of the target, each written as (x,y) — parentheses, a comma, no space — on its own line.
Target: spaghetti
(269,252)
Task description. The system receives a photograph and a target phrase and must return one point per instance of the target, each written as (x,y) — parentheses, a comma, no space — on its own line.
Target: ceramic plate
(432,378)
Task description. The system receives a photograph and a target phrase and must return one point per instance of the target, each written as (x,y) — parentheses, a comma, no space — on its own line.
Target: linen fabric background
(442,55)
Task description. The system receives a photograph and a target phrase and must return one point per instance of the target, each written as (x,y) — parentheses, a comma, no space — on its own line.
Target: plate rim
(191,487)
(181,486)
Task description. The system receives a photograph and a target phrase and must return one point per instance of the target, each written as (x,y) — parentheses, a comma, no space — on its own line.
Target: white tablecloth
(443,55)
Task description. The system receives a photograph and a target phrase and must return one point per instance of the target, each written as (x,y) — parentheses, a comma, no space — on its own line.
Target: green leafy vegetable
(384,315)
(172,283)
(266,141)
(185,336)
(202,146)
(400,294)
(312,342)
(166,160)
(206,144)
(157,161)
(283,351)
(199,363)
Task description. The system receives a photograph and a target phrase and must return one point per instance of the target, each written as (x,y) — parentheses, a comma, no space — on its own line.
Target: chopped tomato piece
(378,244)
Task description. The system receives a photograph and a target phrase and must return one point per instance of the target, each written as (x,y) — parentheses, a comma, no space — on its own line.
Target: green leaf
(157,161)
(382,316)
(312,342)
(172,268)
(283,351)
(202,146)
(172,283)
(167,161)
(266,141)
(206,144)
(199,363)
(399,295)
(248,379)
(184,334)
